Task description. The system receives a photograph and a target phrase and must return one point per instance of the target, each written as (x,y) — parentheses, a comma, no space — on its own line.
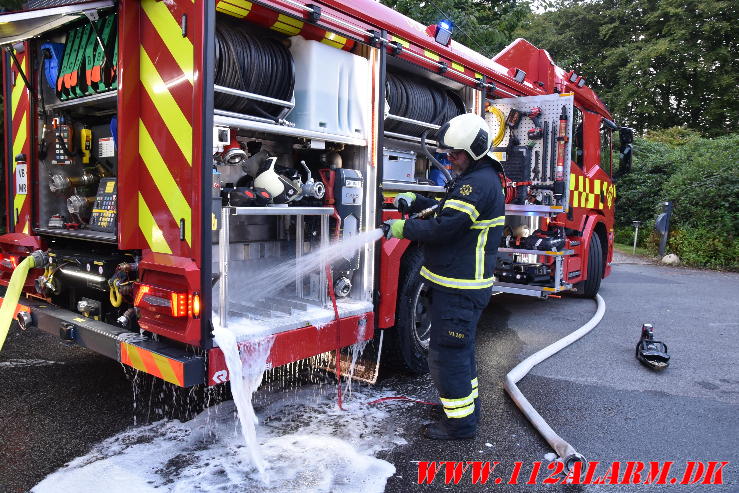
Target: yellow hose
(501,130)
(12,295)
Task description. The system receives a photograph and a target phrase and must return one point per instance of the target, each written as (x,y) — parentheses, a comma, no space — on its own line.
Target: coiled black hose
(419,99)
(260,64)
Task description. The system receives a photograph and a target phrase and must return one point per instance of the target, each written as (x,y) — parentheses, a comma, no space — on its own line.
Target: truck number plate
(21,179)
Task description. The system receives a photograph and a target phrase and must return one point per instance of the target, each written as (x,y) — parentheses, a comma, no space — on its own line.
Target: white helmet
(467,132)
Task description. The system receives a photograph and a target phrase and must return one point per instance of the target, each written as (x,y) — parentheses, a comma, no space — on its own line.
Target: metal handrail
(250,95)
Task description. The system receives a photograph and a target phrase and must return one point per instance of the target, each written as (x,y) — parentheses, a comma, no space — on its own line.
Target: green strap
(70,48)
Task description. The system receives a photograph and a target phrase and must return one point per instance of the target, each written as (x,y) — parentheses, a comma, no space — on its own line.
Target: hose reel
(422,100)
(259,64)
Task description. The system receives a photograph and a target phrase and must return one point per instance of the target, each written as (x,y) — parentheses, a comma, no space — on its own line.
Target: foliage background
(667,68)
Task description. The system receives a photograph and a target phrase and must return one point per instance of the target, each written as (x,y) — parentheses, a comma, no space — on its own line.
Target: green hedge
(701,178)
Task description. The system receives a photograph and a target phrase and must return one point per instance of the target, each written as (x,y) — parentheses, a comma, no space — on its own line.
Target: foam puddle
(307,444)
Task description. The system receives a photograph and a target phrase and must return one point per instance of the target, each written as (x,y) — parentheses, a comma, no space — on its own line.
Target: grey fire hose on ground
(566,451)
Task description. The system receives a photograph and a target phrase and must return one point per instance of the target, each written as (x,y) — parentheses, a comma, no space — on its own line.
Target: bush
(700,177)
(706,248)
(638,193)
(705,186)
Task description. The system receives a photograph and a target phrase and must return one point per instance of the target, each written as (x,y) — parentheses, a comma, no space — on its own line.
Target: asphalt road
(57,401)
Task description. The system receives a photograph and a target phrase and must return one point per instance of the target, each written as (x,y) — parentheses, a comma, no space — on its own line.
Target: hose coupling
(571,459)
(128,317)
(40,258)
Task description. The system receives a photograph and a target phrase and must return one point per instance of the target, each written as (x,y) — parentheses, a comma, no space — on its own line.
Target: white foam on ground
(307,444)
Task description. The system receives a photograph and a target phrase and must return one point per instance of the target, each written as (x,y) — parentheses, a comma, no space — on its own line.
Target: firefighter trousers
(454,317)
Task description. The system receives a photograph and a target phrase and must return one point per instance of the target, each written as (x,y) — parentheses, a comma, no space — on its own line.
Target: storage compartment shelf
(281,211)
(535,252)
(533,210)
(409,138)
(508,287)
(105,100)
(273,128)
(390,186)
(81,234)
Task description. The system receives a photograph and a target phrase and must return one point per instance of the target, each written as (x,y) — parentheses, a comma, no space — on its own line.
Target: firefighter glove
(407,197)
(393,228)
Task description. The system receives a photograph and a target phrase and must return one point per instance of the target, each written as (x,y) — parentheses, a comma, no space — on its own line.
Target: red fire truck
(178,163)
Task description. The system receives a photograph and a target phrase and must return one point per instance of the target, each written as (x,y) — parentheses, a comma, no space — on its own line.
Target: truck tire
(407,343)
(590,286)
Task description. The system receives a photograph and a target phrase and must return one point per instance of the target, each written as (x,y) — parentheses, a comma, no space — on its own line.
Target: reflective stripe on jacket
(462,240)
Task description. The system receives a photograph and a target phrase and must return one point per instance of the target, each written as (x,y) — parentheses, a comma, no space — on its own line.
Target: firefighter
(460,244)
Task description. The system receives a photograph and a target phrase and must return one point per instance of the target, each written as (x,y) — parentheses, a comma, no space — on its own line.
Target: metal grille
(43,4)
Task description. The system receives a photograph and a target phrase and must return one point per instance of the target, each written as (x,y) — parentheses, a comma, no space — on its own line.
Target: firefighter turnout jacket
(461,241)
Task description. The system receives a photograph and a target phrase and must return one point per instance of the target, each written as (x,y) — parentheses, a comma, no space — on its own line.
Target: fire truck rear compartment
(323,139)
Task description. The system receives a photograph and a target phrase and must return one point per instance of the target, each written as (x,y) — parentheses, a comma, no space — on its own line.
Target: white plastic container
(332,89)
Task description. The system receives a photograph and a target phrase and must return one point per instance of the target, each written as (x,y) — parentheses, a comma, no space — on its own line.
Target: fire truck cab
(182,164)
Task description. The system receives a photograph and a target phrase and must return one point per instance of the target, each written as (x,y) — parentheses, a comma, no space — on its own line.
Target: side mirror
(626,135)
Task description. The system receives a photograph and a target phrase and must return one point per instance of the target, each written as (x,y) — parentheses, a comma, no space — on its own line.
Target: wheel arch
(595,224)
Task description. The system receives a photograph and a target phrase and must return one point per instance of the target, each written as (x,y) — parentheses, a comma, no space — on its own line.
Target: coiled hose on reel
(418,99)
(260,64)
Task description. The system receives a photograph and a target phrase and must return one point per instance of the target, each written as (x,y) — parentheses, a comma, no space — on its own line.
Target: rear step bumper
(162,360)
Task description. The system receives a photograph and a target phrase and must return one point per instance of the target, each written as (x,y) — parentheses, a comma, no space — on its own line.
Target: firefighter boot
(440,431)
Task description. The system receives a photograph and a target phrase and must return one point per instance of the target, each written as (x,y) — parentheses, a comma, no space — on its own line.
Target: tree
(655,63)
(484,25)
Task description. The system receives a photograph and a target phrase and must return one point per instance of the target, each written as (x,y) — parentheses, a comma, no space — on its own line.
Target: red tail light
(167,302)
(8,262)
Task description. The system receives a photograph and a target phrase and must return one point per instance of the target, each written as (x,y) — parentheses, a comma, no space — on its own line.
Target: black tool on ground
(649,352)
(545,152)
(537,132)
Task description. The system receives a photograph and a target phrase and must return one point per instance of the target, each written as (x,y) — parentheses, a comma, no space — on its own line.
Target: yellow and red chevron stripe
(167,369)
(165,130)
(243,9)
(20,108)
(591,193)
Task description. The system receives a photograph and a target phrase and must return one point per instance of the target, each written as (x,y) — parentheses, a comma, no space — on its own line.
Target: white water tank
(332,89)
